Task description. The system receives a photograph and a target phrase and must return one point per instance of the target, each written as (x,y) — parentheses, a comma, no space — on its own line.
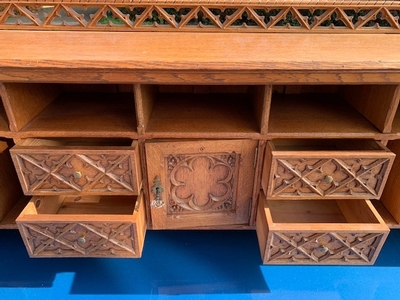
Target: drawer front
(84,239)
(288,237)
(339,248)
(81,171)
(50,234)
(318,174)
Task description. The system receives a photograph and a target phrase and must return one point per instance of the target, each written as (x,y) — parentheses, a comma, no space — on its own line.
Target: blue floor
(192,265)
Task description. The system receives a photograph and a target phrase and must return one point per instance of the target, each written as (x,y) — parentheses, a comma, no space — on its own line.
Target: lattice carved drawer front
(58,226)
(332,169)
(310,232)
(94,170)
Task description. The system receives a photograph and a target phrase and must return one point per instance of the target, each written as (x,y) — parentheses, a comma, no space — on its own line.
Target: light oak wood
(209,100)
(204,183)
(64,166)
(323,169)
(199,59)
(8,222)
(319,232)
(257,180)
(4,127)
(316,115)
(10,190)
(211,112)
(262,225)
(95,88)
(375,102)
(87,226)
(23,101)
(396,121)
(145,98)
(262,96)
(386,215)
(390,197)
(358,212)
(258,77)
(324,212)
(85,115)
(313,16)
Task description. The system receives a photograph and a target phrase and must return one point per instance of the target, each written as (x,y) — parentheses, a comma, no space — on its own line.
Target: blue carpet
(192,265)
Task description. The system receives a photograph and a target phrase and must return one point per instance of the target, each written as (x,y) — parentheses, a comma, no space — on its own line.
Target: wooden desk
(181,119)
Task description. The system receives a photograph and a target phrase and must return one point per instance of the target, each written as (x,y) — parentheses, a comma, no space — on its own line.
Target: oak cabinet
(113,133)
(200,183)
(201,157)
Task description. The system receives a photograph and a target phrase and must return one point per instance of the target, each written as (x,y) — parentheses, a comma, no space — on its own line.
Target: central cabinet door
(195,184)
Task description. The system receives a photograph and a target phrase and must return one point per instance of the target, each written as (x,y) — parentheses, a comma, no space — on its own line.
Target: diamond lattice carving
(323,248)
(313,177)
(76,173)
(272,16)
(82,239)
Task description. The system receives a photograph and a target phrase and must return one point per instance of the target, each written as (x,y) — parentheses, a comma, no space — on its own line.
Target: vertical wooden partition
(24,101)
(377,103)
(10,190)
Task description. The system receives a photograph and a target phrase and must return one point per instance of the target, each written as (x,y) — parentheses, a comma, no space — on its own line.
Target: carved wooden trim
(329,177)
(80,239)
(89,173)
(324,248)
(222,170)
(217,15)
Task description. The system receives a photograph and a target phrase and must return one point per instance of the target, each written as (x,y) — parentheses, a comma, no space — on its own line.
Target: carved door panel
(200,183)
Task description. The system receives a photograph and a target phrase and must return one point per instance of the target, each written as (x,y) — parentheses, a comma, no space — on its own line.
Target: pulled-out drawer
(340,232)
(84,167)
(316,169)
(87,226)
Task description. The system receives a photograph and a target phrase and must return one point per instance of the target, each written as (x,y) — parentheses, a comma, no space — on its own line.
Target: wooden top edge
(158,51)
(221,2)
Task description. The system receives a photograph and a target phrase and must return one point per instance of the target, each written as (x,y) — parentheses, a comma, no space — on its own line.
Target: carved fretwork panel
(81,239)
(91,173)
(202,183)
(271,16)
(329,177)
(324,248)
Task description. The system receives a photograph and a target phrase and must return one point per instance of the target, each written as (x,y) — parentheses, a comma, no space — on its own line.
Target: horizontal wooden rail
(198,57)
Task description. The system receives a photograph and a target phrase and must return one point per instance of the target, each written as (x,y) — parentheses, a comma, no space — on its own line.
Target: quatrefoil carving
(202,182)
